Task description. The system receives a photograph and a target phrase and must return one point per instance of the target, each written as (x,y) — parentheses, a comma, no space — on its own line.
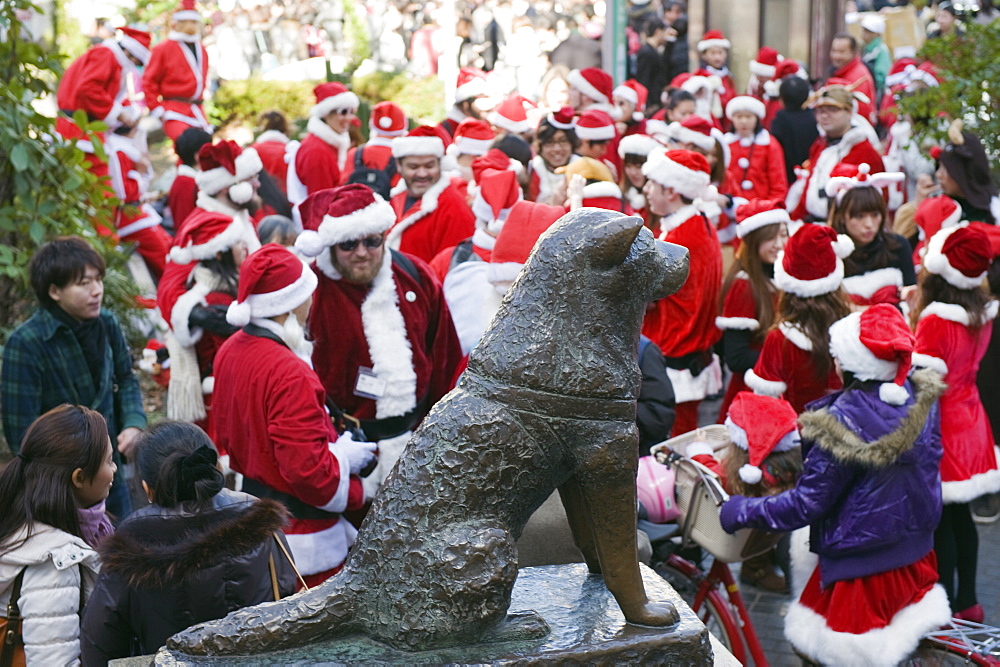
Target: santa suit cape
(182,196)
(438,220)
(317,162)
(174,84)
(271,417)
(875,286)
(739,313)
(273,148)
(946,343)
(542,181)
(855,147)
(785,369)
(376,154)
(684,322)
(757,167)
(854,72)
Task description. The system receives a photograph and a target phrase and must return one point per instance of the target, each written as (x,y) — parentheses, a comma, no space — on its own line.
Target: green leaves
(19,157)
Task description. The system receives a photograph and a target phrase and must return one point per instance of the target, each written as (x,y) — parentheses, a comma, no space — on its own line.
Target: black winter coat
(164,570)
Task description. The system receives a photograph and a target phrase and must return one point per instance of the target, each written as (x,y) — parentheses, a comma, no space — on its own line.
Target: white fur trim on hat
(737,434)
(470,146)
(866,284)
(737,323)
(345,100)
(576,80)
(626,93)
(765,387)
(186,15)
(133,46)
(819,286)
(847,348)
(407,146)
(213,181)
(637,144)
(601,133)
(679,133)
(709,43)
(601,189)
(474,87)
(761,70)
(230,236)
(937,262)
(755,222)
(279,302)
(504,123)
(927,361)
(375,218)
(688,182)
(745,103)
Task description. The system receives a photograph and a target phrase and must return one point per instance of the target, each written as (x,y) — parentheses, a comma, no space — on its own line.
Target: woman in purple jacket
(870,493)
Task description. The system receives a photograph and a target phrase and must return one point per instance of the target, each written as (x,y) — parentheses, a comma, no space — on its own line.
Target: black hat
(965,159)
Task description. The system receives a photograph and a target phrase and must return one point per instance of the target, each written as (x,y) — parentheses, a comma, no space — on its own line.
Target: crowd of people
(315,297)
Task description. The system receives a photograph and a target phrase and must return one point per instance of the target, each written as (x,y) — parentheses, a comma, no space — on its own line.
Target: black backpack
(379,180)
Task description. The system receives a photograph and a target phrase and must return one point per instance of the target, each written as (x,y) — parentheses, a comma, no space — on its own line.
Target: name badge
(368,384)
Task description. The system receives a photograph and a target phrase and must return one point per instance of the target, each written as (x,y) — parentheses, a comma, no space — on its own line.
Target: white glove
(358,454)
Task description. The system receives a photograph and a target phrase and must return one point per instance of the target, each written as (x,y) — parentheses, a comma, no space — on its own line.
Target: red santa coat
(438,220)
(316,164)
(947,343)
(182,196)
(856,72)
(174,84)
(273,148)
(785,369)
(96,83)
(739,312)
(271,417)
(757,167)
(876,286)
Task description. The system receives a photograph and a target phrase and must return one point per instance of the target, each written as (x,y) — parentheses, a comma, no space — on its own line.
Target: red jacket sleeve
(97,84)
(777,176)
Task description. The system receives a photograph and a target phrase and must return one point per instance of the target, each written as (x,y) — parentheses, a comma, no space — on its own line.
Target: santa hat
(695,130)
(603,194)
(593,82)
(924,73)
(422,140)
(203,237)
(498,189)
(595,125)
(525,223)
(562,119)
(471,83)
(875,344)
(330,97)
(637,144)
(936,213)
(273,282)
(846,177)
(473,137)
(686,172)
(758,213)
(226,165)
(759,425)
(786,68)
(388,120)
(960,254)
(186,11)
(634,92)
(765,65)
(745,103)
(713,38)
(136,42)
(873,23)
(341,214)
(811,264)
(511,114)
(901,72)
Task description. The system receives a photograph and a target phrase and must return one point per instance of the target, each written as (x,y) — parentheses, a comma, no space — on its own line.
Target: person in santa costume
(714,51)
(757,161)
(469,87)
(273,145)
(473,137)
(763,71)
(317,163)
(183,195)
(386,348)
(843,138)
(682,325)
(387,121)
(431,213)
(597,134)
(630,98)
(795,361)
(871,496)
(591,90)
(176,78)
(749,295)
(881,264)
(271,414)
(201,276)
(953,316)
(556,144)
(845,59)
(511,117)
(633,150)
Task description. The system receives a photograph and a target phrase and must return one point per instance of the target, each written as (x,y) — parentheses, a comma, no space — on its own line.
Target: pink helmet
(655,489)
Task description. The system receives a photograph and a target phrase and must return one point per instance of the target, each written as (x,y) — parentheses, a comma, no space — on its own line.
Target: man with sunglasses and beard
(318,162)
(385,345)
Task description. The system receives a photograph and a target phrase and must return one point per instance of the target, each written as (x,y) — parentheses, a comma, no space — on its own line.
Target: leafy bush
(421,99)
(242,102)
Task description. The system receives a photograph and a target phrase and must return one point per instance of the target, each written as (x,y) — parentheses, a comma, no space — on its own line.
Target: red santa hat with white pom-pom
(811,264)
(341,214)
(388,119)
(960,254)
(226,165)
(685,171)
(497,192)
(760,425)
(634,92)
(472,137)
(876,345)
(758,213)
(511,115)
(331,97)
(713,38)
(273,282)
(846,177)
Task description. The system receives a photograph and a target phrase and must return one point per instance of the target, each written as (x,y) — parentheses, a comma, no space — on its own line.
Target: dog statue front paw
(655,614)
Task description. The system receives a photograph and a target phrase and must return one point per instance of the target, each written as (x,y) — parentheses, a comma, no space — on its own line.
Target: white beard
(294,335)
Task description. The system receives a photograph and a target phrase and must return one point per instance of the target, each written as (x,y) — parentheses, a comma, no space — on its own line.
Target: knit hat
(759,425)
(344,213)
(713,38)
(588,167)
(422,140)
(562,118)
(205,236)
(498,189)
(226,165)
(960,254)
(758,213)
(745,103)
(593,82)
(844,177)
(136,42)
(965,160)
(511,114)
(388,120)
(595,125)
(273,282)
(330,97)
(471,83)
(186,11)
(875,344)
(473,137)
(766,63)
(637,144)
(686,172)
(695,130)
(525,223)
(811,263)
(634,92)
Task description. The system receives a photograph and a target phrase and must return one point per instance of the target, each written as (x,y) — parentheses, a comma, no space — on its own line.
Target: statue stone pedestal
(587,627)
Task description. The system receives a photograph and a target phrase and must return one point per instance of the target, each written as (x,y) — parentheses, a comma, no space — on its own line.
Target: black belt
(296,507)
(186,100)
(390,427)
(695,362)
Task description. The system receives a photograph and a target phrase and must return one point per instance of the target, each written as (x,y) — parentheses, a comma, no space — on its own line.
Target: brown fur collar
(832,435)
(156,551)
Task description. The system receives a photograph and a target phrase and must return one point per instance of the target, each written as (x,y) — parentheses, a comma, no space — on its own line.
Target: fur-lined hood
(831,434)
(160,549)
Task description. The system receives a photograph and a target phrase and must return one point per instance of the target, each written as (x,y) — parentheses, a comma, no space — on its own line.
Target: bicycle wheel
(714,611)
(929,654)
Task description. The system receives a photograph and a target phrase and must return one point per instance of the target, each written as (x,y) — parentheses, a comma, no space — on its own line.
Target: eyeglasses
(563,141)
(371,242)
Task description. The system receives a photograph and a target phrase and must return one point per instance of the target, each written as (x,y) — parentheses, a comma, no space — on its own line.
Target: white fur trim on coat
(272,135)
(338,503)
(688,387)
(955,313)
(503,271)
(428,204)
(889,645)
(927,361)
(966,490)
(339,140)
(937,262)
(737,323)
(829,157)
(323,550)
(795,336)
(576,80)
(759,385)
(213,181)
(866,284)
(847,348)
(345,100)
(676,219)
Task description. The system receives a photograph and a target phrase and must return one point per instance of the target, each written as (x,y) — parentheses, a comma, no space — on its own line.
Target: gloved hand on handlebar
(359,454)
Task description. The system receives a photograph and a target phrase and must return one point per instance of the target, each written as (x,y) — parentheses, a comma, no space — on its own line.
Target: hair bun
(201,464)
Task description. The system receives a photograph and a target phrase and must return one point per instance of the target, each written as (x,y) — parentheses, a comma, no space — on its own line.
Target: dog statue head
(570,322)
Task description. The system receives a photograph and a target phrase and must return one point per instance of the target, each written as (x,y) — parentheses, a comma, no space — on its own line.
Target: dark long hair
(224,268)
(813,316)
(855,202)
(37,485)
(748,260)
(178,462)
(935,288)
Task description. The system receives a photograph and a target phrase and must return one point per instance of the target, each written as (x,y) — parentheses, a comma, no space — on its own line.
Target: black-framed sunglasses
(371,242)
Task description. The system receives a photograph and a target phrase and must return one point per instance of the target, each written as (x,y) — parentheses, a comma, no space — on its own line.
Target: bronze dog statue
(548,402)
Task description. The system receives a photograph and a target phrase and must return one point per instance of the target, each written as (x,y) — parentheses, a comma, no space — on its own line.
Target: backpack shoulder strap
(407,265)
